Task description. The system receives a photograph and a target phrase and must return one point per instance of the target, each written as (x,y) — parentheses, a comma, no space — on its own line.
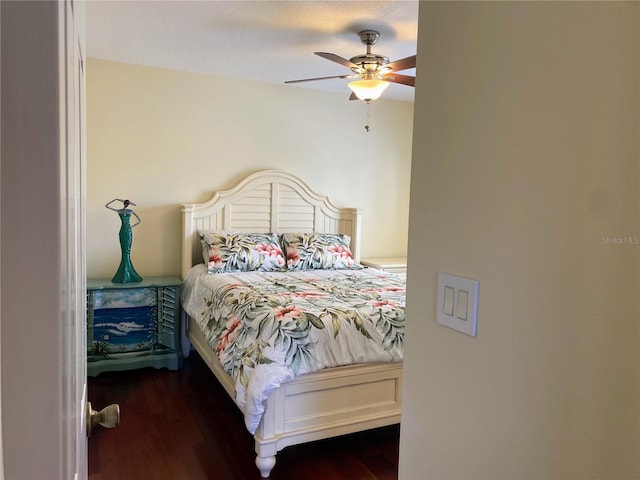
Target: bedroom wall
(162,138)
(526,132)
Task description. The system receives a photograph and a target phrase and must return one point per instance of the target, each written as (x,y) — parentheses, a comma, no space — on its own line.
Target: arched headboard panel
(266,201)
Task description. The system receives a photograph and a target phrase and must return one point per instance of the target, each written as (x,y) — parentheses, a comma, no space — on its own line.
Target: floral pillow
(315,251)
(242,252)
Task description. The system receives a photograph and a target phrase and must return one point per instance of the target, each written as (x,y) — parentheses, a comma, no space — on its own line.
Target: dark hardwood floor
(183,425)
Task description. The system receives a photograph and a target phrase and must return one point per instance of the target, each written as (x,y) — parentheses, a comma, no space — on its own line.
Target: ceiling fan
(374,71)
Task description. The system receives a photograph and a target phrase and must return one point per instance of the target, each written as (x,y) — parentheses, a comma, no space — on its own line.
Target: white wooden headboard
(266,201)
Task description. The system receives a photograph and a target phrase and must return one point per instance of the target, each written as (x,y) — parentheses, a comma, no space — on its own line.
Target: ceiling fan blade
(319,78)
(397,78)
(338,59)
(402,64)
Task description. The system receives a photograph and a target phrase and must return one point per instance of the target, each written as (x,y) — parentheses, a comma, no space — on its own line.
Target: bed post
(355,236)
(265,465)
(187,240)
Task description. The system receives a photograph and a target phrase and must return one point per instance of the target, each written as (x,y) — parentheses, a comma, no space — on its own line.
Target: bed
(308,405)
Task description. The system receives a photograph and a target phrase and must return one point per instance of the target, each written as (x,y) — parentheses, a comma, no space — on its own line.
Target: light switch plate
(458,303)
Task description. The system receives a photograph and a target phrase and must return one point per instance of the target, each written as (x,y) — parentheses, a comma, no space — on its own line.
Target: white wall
(525,174)
(162,138)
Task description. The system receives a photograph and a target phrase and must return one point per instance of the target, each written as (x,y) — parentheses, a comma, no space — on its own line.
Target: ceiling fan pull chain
(367,126)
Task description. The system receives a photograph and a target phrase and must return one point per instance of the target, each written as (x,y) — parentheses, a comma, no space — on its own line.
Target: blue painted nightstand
(133,325)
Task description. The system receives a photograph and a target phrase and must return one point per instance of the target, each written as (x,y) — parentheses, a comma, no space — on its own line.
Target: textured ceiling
(265,41)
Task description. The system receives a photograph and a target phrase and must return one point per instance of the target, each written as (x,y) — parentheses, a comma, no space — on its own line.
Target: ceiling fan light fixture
(368,89)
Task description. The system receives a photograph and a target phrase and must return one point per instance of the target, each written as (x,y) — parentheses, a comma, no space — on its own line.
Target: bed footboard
(326,404)
(319,405)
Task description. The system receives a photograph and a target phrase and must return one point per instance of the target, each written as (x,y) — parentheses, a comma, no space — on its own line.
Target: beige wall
(162,138)
(525,172)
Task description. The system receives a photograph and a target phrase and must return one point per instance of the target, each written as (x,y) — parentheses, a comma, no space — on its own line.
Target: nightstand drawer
(133,325)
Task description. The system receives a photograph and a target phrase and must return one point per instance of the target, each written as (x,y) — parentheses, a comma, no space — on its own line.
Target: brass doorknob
(108,417)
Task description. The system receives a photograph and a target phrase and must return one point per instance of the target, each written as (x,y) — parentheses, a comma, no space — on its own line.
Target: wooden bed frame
(319,405)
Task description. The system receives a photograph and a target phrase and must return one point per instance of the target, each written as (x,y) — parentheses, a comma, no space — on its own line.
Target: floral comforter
(270,327)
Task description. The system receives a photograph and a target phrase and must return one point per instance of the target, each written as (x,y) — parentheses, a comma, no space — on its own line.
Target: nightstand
(388,264)
(133,325)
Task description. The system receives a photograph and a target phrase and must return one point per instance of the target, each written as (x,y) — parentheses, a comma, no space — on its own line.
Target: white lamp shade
(368,89)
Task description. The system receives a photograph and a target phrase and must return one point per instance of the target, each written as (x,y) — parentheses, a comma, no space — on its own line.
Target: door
(42,241)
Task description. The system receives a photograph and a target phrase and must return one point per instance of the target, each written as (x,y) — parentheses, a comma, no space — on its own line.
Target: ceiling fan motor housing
(369,63)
